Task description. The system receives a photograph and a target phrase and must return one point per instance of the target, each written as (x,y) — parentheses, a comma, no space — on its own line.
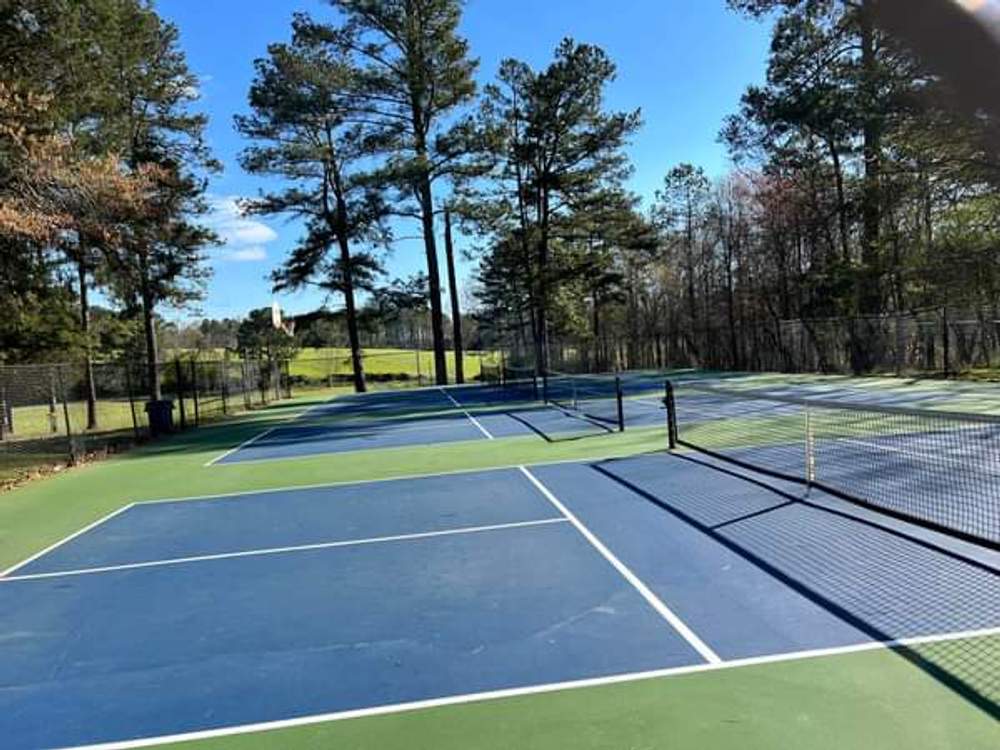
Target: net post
(669,402)
(810,449)
(620,403)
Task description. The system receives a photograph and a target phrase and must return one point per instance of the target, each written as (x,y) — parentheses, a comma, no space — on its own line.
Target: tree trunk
(456,313)
(596,330)
(149,329)
(357,361)
(869,293)
(90,388)
(842,219)
(542,323)
(433,280)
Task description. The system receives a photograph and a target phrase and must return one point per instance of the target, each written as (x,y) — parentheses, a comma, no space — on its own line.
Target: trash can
(161,417)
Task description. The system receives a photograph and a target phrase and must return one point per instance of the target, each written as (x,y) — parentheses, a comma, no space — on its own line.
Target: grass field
(37,420)
(380,364)
(863,700)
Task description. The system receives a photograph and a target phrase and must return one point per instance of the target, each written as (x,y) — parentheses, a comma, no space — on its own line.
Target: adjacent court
(441,415)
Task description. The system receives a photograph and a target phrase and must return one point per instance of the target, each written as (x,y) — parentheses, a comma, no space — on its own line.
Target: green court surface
(874,697)
(866,700)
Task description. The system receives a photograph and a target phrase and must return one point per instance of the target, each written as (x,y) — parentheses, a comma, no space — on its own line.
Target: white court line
(305,412)
(65,539)
(283,550)
(652,599)
(244,444)
(347,432)
(315,486)
(381,480)
(552,687)
(466,413)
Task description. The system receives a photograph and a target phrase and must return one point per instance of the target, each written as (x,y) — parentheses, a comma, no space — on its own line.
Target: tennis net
(938,469)
(520,382)
(596,398)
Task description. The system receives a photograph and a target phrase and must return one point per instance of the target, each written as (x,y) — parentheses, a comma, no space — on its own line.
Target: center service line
(654,601)
(466,413)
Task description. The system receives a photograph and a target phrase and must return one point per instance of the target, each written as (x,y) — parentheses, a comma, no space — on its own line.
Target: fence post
(9,415)
(131,398)
(53,419)
(243,384)
(69,423)
(420,377)
(288,378)
(225,382)
(946,340)
(179,376)
(3,410)
(194,389)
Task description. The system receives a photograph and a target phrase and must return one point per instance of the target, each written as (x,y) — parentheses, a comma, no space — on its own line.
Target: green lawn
(875,699)
(380,364)
(36,420)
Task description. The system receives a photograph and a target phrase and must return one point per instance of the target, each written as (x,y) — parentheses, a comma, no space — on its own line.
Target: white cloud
(246,254)
(244,238)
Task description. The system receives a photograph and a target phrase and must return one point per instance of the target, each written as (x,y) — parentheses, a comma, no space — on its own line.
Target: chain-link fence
(933,342)
(51,414)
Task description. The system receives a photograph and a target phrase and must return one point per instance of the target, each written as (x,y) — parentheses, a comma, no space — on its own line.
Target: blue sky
(683,62)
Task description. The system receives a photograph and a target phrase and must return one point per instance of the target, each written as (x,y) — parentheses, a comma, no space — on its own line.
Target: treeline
(102,177)
(858,190)
(859,193)
(103,167)
(255,336)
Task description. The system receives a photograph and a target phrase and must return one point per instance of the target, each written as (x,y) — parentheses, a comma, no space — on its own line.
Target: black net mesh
(940,469)
(595,397)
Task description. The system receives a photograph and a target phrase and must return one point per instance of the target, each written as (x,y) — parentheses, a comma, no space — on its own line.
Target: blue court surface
(180,616)
(320,430)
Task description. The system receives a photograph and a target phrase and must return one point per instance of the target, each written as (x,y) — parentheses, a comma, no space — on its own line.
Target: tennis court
(442,415)
(325,604)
